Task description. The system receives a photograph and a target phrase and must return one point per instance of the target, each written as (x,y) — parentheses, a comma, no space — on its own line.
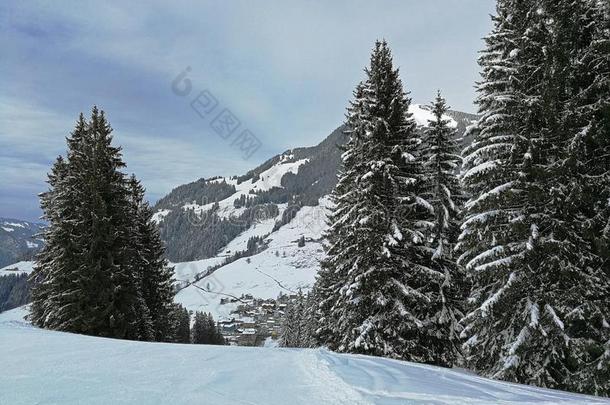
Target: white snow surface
(18,225)
(159,215)
(47,367)
(31,245)
(17,268)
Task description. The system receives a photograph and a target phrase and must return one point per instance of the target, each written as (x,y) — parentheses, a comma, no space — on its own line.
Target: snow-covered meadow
(18,268)
(46,367)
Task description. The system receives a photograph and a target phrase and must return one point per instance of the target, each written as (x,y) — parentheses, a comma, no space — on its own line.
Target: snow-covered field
(45,367)
(17,268)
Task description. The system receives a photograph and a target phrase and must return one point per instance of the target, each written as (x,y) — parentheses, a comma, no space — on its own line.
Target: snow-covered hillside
(45,367)
(267,180)
(283,267)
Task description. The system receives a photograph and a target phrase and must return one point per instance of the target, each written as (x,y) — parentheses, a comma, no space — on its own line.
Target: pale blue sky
(285,69)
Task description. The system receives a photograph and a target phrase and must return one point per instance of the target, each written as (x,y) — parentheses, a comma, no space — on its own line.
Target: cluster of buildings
(254,320)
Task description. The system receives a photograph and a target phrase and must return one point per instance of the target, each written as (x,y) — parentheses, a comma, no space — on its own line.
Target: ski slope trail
(45,367)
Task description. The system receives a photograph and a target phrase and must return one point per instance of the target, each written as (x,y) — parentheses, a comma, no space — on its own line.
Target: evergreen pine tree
(50,275)
(111,298)
(200,328)
(540,288)
(308,321)
(579,126)
(339,248)
(444,193)
(290,327)
(154,273)
(376,258)
(136,261)
(205,330)
(180,322)
(298,327)
(299,320)
(90,277)
(45,277)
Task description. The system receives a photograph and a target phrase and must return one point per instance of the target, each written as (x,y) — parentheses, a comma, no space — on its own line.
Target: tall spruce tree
(308,321)
(595,105)
(442,162)
(136,260)
(154,273)
(180,322)
(579,83)
(377,259)
(205,330)
(200,331)
(539,310)
(50,309)
(290,333)
(88,278)
(340,248)
(298,326)
(47,272)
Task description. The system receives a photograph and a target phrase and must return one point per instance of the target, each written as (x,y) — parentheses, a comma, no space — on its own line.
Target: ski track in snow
(46,367)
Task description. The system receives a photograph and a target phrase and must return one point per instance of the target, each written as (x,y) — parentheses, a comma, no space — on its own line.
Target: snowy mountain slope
(18,240)
(268,179)
(46,367)
(283,267)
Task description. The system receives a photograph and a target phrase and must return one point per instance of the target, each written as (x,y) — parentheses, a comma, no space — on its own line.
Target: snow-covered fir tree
(539,302)
(308,321)
(299,323)
(155,275)
(291,326)
(135,256)
(50,275)
(205,330)
(580,86)
(376,285)
(180,324)
(340,248)
(90,276)
(443,191)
